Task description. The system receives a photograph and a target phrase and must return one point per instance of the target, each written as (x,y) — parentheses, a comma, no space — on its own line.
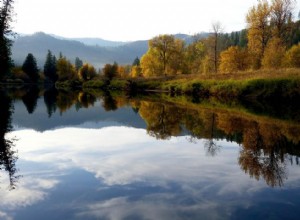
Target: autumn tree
(87,72)
(274,54)
(30,68)
(150,64)
(213,48)
(292,56)
(259,32)
(6,13)
(65,69)
(50,67)
(110,71)
(124,70)
(217,29)
(194,55)
(233,59)
(164,45)
(177,64)
(281,17)
(136,69)
(164,56)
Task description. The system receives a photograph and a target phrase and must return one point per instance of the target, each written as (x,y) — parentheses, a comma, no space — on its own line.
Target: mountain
(39,43)
(99,42)
(122,52)
(93,41)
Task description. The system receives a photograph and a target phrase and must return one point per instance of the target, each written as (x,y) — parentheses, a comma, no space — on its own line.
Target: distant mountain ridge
(96,51)
(94,41)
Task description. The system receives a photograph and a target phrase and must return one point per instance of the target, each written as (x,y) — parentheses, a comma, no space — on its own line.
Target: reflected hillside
(267,143)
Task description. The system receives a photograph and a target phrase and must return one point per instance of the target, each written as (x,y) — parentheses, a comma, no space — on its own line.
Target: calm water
(97,156)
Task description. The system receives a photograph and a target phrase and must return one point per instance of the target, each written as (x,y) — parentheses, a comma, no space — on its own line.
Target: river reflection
(91,155)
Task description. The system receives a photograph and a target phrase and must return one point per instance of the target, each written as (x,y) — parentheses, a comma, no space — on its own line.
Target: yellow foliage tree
(233,59)
(136,71)
(207,65)
(65,69)
(194,55)
(150,64)
(87,72)
(164,56)
(281,17)
(274,54)
(292,56)
(259,32)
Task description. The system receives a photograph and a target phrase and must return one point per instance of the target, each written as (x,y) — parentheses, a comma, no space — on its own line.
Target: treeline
(270,41)
(55,69)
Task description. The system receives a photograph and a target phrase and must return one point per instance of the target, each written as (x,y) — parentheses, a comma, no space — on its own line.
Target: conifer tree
(78,63)
(30,68)
(50,67)
(6,11)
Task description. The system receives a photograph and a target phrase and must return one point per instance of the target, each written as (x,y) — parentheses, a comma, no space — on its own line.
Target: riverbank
(279,84)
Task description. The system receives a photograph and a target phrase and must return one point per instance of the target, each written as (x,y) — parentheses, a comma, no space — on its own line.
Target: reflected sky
(119,172)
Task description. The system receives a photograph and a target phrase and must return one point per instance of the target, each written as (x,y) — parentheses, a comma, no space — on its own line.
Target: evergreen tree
(136,62)
(6,11)
(50,67)
(78,63)
(30,68)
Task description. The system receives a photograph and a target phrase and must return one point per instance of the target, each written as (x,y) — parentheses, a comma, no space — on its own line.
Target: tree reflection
(7,154)
(50,99)
(86,99)
(30,99)
(163,121)
(264,142)
(66,99)
(109,103)
(263,149)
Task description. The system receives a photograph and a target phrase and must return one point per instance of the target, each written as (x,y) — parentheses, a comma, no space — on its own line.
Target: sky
(129,20)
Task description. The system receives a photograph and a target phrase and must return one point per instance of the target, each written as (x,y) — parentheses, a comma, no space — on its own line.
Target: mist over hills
(96,51)
(94,41)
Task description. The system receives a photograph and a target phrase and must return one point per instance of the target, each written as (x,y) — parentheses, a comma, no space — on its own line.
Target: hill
(93,41)
(122,52)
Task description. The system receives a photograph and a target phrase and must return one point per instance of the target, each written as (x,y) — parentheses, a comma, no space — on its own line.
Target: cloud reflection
(188,180)
(119,155)
(29,191)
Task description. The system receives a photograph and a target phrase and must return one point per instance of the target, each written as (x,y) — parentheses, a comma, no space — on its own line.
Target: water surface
(99,156)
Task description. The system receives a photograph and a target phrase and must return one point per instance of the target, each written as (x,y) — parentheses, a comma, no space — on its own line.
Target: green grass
(118,84)
(94,84)
(263,84)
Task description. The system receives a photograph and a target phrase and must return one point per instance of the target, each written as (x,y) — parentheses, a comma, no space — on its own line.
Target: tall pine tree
(50,67)
(6,11)
(30,68)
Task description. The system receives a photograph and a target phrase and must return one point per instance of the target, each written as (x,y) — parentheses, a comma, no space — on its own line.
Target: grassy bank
(263,85)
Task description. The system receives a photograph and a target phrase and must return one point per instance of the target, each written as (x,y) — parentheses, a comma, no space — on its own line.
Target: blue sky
(131,19)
